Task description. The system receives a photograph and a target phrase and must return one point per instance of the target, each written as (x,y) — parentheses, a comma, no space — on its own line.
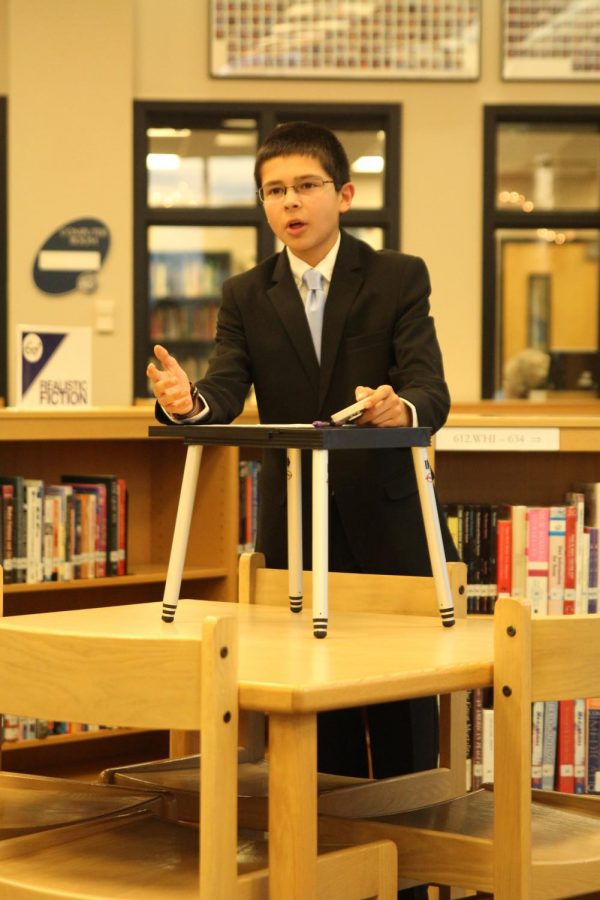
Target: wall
(70,89)
(442,164)
(70,151)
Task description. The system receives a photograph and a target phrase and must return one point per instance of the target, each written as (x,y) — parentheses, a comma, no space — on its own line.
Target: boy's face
(308,225)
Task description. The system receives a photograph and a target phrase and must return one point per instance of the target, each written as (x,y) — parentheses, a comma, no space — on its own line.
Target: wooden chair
(130,679)
(384,594)
(338,795)
(515,843)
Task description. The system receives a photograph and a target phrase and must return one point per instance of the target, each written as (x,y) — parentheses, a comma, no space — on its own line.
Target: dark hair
(305,139)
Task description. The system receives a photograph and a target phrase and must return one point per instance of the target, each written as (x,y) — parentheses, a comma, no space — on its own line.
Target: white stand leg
(433,534)
(181,534)
(294,524)
(320,541)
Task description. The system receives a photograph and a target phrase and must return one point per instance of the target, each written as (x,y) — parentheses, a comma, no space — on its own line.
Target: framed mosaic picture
(550,40)
(349,39)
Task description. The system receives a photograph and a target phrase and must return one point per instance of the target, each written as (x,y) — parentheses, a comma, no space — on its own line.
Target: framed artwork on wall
(357,39)
(550,40)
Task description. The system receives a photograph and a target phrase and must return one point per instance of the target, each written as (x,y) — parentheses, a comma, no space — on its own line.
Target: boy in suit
(310,345)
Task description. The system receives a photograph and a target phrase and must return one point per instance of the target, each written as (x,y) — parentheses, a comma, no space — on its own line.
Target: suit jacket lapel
(345,284)
(288,305)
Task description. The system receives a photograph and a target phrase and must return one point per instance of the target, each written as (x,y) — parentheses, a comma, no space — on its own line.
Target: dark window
(541,286)
(197,219)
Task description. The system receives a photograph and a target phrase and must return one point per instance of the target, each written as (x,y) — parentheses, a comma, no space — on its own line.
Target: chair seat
(141,856)
(181,779)
(30,803)
(559,835)
(134,856)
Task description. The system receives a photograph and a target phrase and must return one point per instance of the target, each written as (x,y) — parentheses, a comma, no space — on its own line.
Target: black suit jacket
(376,330)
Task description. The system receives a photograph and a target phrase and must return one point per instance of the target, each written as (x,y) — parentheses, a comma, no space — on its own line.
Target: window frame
(180,114)
(494,219)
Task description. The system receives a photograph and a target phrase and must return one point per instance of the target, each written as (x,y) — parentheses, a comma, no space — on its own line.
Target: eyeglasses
(308,188)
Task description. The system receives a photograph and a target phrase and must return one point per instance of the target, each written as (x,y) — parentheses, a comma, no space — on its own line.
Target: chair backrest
(383,594)
(144,682)
(545,658)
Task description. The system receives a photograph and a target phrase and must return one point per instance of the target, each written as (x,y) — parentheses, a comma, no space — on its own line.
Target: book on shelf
(504,557)
(518,515)
(487,745)
(570,559)
(593,745)
(577,500)
(111,500)
(537,743)
(7,551)
(538,529)
(581,746)
(556,560)
(565,751)
(59,500)
(19,534)
(592,584)
(34,529)
(549,742)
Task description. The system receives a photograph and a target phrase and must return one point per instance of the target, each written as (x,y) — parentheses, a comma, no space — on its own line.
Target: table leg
(434,535)
(187,498)
(292,806)
(320,541)
(294,524)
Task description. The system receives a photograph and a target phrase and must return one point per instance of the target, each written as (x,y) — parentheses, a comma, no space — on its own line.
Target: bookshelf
(184,300)
(115,440)
(520,475)
(546,447)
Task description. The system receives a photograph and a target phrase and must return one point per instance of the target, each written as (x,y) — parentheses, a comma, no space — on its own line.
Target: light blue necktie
(315,304)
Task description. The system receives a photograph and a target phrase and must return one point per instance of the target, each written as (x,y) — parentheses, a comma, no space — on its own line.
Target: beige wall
(70,89)
(441,153)
(3,47)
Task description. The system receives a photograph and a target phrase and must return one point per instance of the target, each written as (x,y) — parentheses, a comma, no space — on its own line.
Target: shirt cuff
(193,417)
(415,418)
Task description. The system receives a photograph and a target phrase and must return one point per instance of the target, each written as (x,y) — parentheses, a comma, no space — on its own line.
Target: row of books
(545,554)
(184,321)
(174,274)
(249,476)
(23,728)
(565,744)
(61,532)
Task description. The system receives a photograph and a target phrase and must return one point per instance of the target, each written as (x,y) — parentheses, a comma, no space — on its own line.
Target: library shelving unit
(114,440)
(517,452)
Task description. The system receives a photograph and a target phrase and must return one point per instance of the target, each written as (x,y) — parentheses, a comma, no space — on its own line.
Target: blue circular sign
(72,257)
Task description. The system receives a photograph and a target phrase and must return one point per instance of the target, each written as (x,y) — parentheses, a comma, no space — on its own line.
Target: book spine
(556,553)
(504,557)
(519,550)
(581,750)
(565,781)
(549,744)
(8,549)
(123,524)
(570,559)
(487,751)
(593,746)
(477,732)
(537,734)
(592,604)
(538,527)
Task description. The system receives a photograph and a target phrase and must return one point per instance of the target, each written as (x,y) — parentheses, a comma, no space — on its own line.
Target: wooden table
(367,658)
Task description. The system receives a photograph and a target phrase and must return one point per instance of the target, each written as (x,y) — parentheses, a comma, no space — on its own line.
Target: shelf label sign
(54,367)
(72,257)
(508,438)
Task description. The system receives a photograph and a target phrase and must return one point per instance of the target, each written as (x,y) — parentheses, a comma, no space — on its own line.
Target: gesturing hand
(171,385)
